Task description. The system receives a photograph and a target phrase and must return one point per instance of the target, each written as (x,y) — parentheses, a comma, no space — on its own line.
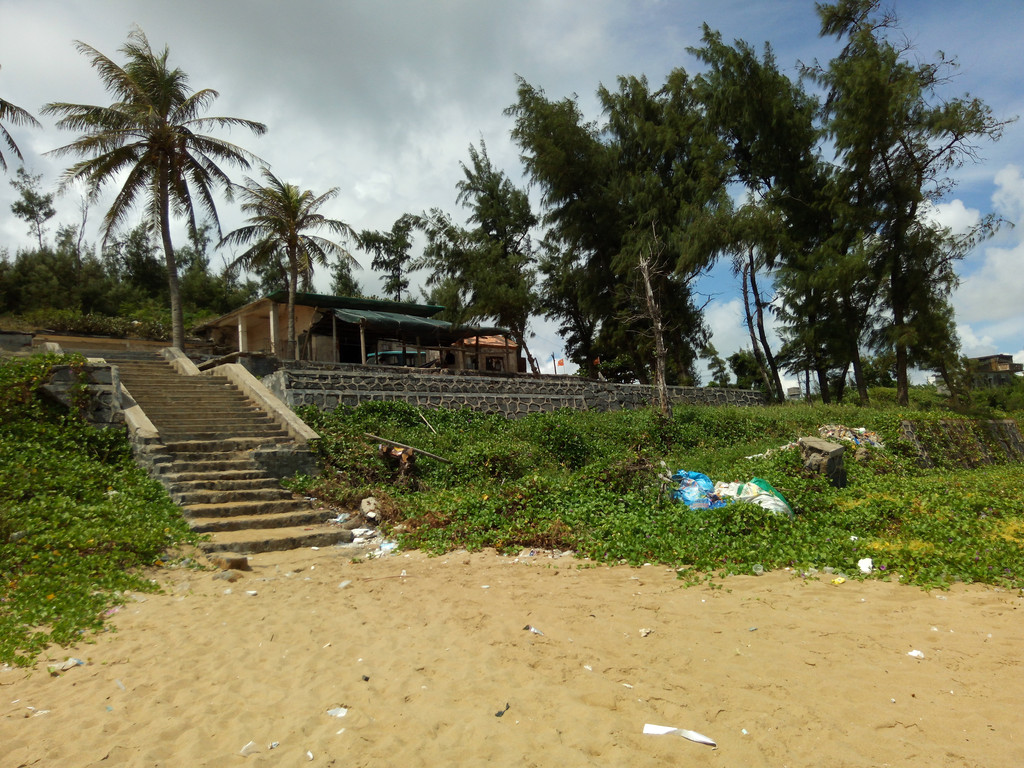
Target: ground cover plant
(590,482)
(77,517)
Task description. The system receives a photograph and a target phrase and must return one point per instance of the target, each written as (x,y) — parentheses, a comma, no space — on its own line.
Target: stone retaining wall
(101,400)
(960,443)
(511,395)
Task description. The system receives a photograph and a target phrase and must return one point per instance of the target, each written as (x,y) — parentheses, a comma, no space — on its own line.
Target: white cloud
(1008,198)
(954,215)
(993,291)
(973,344)
(728,329)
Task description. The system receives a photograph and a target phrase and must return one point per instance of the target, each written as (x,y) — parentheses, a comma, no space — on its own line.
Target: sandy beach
(409,660)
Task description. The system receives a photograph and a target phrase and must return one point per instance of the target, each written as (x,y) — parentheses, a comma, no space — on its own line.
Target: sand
(422,653)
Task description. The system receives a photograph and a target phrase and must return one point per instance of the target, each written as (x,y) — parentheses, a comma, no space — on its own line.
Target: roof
(324,301)
(397,318)
(410,325)
(392,322)
(261,307)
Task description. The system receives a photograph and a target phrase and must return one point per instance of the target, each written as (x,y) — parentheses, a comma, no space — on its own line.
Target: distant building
(342,329)
(993,370)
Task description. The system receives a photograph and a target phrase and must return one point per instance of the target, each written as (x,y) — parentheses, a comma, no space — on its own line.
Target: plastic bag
(764,494)
(757,491)
(696,490)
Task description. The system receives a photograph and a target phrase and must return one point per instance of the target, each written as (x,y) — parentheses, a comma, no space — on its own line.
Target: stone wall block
(824,458)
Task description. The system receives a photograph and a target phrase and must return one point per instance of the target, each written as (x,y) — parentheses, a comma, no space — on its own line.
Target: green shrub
(590,482)
(77,517)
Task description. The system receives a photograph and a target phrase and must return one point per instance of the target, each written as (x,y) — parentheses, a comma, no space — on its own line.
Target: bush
(78,517)
(590,482)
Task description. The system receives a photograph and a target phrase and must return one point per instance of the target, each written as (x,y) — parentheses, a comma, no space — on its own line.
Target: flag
(597,361)
(561,362)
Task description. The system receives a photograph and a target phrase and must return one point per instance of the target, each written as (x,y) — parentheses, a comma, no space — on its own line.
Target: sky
(382,99)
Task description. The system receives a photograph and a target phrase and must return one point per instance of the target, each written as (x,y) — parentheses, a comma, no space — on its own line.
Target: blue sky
(382,99)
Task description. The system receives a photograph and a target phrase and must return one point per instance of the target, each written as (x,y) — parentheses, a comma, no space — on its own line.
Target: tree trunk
(780,396)
(177,318)
(823,390)
(841,383)
(899,327)
(858,377)
(660,353)
(293,284)
(520,339)
(754,346)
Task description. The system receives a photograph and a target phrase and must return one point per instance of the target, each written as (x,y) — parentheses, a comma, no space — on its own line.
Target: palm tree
(282,220)
(18,116)
(151,137)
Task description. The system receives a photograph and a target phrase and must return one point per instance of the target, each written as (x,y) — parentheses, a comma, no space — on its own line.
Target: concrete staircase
(208,431)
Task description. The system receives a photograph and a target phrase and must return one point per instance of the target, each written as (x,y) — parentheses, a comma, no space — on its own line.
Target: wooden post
(334,334)
(362,340)
(273,328)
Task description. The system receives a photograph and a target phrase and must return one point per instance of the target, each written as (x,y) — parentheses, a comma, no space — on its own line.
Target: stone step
(184,396)
(174,478)
(199,404)
(171,389)
(198,408)
(215,481)
(275,540)
(229,445)
(242,508)
(299,518)
(166,373)
(199,418)
(256,427)
(192,498)
(201,457)
(269,435)
(205,466)
(139,366)
(209,429)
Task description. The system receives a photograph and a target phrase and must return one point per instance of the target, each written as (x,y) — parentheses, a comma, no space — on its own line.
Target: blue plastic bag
(695,490)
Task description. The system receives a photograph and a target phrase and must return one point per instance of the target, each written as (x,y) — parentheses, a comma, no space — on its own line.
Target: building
(343,329)
(993,370)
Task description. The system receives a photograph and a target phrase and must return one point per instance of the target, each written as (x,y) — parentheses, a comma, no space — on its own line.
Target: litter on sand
(665,730)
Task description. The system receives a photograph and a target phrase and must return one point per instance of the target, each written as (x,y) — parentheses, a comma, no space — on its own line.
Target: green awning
(409,326)
(321,301)
(393,323)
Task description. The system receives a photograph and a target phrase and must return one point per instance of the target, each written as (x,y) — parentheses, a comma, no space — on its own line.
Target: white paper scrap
(664,730)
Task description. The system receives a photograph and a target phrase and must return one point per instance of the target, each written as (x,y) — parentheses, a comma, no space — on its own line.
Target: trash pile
(698,492)
(857,435)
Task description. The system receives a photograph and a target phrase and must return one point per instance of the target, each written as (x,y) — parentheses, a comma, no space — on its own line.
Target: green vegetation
(589,482)
(77,518)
